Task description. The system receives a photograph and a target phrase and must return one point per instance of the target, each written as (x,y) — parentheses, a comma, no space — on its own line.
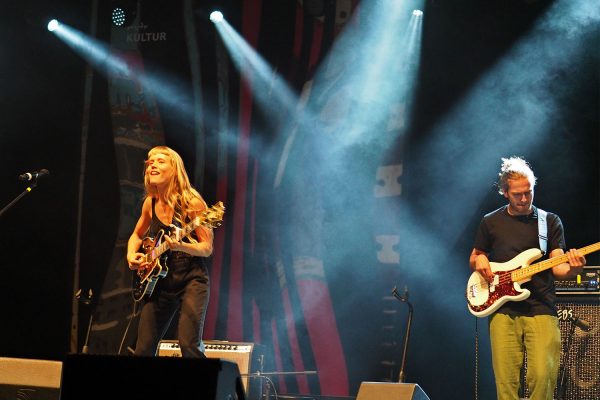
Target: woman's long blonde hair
(180,193)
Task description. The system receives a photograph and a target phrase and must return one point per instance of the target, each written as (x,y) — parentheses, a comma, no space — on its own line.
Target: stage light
(124,12)
(52,25)
(118,16)
(216,16)
(417,13)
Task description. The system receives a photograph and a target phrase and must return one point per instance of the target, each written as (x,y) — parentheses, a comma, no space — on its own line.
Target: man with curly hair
(531,324)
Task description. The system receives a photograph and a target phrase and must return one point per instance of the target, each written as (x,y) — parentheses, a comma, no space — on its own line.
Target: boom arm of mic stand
(12,203)
(407,335)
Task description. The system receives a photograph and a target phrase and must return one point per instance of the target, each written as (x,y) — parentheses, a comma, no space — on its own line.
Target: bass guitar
(483,297)
(155,267)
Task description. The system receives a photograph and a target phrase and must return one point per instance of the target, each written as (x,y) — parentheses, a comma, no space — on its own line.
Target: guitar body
(484,298)
(145,279)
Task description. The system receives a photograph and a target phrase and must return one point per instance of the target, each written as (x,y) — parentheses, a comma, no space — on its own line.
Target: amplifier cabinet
(582,362)
(247,356)
(390,391)
(29,379)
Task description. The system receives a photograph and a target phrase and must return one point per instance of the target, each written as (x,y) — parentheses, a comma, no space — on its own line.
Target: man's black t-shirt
(503,236)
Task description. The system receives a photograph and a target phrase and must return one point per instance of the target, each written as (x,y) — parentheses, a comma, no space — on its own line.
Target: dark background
(42,84)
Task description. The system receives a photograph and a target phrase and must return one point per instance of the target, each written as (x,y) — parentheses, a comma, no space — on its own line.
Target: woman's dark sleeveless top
(182,267)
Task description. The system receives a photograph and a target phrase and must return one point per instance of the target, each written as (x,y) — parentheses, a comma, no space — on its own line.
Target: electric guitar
(145,278)
(483,297)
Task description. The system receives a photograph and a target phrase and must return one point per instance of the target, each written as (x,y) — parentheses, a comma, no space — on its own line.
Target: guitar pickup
(495,282)
(472,291)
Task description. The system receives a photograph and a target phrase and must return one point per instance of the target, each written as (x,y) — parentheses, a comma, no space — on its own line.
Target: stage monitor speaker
(390,391)
(29,379)
(94,377)
(247,356)
(582,363)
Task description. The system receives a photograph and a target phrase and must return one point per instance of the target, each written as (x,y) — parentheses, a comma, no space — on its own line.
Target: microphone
(398,296)
(34,175)
(582,324)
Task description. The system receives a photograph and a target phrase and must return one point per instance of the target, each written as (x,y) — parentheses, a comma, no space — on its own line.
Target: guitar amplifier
(247,356)
(581,364)
(587,282)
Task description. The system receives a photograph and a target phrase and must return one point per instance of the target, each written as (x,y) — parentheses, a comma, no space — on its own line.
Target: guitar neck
(527,272)
(185,231)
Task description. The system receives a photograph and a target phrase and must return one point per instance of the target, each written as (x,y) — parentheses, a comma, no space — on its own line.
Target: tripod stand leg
(85,349)
(562,387)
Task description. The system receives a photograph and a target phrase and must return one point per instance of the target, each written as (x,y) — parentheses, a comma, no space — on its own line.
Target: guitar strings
(506,277)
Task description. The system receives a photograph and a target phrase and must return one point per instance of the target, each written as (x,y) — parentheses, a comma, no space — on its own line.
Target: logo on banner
(140,33)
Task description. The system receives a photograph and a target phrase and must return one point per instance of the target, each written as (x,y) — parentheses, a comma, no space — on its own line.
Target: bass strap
(543,229)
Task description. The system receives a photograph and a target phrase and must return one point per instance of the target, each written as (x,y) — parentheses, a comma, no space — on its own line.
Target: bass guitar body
(483,297)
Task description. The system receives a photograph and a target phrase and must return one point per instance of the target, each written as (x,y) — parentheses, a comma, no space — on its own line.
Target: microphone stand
(87,300)
(562,387)
(12,203)
(266,375)
(404,299)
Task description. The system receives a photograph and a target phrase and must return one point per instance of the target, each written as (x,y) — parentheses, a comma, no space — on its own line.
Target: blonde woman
(170,203)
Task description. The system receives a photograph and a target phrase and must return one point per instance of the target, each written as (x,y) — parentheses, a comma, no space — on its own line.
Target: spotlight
(216,16)
(417,13)
(118,16)
(52,25)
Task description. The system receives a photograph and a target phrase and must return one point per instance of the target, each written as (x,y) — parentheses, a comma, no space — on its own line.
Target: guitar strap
(543,229)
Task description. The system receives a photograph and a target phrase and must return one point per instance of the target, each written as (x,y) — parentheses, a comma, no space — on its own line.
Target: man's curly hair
(514,168)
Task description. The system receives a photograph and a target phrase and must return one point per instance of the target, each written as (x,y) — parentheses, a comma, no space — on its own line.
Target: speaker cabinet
(390,391)
(246,355)
(94,377)
(29,379)
(581,364)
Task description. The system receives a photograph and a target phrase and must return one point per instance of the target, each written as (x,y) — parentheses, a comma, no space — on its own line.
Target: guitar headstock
(213,216)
